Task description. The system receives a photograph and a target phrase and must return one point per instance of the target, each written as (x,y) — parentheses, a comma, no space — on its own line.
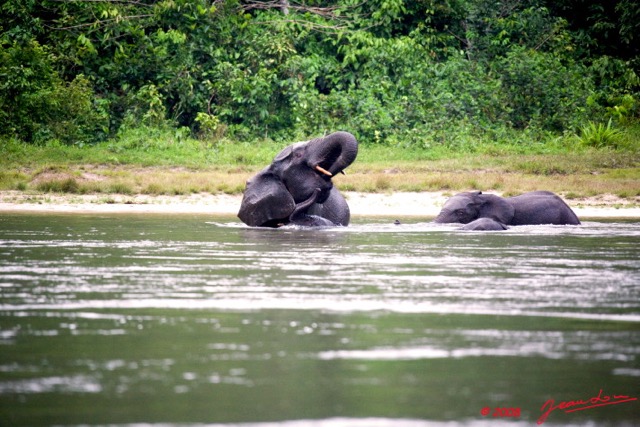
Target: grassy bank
(164,163)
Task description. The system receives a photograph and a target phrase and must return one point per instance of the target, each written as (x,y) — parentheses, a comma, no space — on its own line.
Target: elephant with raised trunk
(490,212)
(296,187)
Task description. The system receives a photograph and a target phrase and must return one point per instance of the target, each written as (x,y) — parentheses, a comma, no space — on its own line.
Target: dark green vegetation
(516,94)
(405,73)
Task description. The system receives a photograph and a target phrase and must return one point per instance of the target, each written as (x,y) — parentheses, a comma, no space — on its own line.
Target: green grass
(163,162)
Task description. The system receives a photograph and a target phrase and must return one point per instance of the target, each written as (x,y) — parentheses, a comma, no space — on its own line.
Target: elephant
(484,224)
(301,217)
(296,188)
(536,207)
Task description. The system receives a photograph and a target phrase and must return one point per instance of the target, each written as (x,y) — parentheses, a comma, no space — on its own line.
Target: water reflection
(128,320)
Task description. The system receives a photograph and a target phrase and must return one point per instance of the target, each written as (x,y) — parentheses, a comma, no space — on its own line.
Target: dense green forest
(397,72)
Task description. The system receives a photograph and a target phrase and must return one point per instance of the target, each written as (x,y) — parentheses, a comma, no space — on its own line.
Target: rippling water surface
(189,320)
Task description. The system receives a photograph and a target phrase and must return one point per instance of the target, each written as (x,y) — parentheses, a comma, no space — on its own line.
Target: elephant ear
(497,208)
(288,151)
(266,201)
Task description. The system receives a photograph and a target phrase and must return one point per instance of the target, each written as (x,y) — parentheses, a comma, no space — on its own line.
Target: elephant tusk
(343,173)
(322,170)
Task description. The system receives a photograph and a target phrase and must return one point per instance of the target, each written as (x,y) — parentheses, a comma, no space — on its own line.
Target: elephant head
(484,224)
(467,207)
(299,172)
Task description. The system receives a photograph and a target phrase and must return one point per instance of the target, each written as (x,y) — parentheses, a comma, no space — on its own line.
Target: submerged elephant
(484,224)
(296,187)
(490,212)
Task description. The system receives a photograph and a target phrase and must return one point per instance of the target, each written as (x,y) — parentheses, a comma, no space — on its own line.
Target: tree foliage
(390,71)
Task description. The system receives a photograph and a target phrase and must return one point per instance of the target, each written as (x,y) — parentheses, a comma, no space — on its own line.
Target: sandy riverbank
(424,204)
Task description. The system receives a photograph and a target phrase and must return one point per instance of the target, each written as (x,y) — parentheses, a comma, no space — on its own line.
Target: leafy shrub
(209,127)
(599,135)
(540,90)
(617,91)
(625,109)
(145,107)
(36,105)
(424,74)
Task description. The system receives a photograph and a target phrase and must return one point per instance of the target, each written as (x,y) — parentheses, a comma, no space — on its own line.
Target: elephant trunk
(443,217)
(301,208)
(334,153)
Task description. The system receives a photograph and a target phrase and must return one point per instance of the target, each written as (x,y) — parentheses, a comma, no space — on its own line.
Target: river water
(191,320)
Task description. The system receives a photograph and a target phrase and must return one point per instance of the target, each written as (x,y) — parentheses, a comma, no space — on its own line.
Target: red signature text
(580,405)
